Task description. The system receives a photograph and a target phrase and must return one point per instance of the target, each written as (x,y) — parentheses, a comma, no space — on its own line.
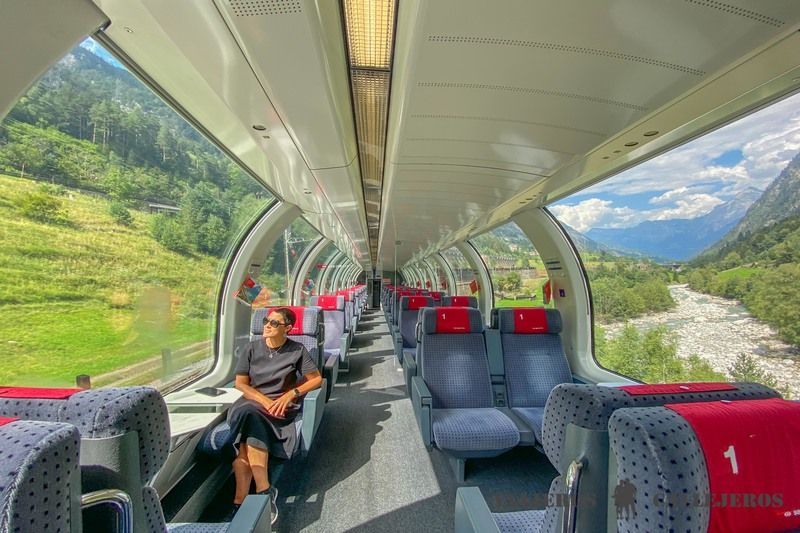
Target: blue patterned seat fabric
(657,449)
(409,315)
(39,470)
(534,364)
(462,301)
(590,407)
(455,368)
(333,317)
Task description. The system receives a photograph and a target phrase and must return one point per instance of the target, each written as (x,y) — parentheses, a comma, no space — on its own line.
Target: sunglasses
(274,323)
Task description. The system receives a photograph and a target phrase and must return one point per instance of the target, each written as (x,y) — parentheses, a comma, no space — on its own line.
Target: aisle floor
(368,470)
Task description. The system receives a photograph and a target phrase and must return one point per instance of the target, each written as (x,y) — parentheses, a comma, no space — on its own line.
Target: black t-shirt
(273,372)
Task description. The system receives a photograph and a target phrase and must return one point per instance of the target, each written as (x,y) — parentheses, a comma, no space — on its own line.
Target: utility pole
(286,258)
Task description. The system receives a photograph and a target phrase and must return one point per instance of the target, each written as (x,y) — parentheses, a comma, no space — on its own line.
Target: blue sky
(92,45)
(691,180)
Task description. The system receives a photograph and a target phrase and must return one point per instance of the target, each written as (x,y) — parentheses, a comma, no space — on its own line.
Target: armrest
(317,356)
(344,345)
(472,513)
(313,408)
(422,400)
(252,516)
(410,366)
(398,348)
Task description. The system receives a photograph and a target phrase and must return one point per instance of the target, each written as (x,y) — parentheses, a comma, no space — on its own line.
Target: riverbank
(718,330)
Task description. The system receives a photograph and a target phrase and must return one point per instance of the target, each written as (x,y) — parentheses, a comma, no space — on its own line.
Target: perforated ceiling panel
(257,8)
(503,106)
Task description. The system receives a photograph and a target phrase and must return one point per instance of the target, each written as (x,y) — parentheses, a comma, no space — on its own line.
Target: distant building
(163,208)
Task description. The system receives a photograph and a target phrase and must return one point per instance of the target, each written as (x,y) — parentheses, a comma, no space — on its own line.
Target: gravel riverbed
(718,330)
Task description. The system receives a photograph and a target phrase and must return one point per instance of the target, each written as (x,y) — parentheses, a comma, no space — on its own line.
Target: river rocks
(718,330)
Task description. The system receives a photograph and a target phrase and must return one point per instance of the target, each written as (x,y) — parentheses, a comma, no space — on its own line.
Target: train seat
(406,344)
(452,395)
(349,311)
(575,432)
(533,359)
(460,301)
(394,326)
(437,298)
(125,439)
(39,476)
(308,331)
(337,340)
(716,466)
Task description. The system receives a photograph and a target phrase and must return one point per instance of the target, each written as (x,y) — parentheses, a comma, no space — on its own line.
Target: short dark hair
(288,315)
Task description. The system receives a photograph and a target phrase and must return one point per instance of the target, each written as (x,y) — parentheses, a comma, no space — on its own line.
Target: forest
(761,269)
(91,126)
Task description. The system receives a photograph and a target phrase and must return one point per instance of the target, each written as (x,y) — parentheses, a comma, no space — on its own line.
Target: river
(718,330)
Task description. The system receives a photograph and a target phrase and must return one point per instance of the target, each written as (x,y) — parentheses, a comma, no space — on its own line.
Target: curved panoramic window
(312,282)
(694,257)
(118,220)
(518,273)
(462,272)
(275,276)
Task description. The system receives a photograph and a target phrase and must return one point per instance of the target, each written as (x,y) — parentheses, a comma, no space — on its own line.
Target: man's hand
(278,407)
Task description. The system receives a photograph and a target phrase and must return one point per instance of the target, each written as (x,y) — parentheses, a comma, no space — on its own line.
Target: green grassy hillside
(90,296)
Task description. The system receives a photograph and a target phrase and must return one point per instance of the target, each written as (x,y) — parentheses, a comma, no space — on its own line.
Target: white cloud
(686,183)
(596,213)
(668,196)
(691,206)
(768,140)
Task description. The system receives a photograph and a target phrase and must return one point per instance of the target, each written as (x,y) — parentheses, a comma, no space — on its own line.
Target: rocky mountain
(779,201)
(678,239)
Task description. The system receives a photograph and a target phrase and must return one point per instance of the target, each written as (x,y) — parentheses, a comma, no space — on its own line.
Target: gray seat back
(306,330)
(333,318)
(589,407)
(124,442)
(670,467)
(409,316)
(533,356)
(460,301)
(575,428)
(452,358)
(39,477)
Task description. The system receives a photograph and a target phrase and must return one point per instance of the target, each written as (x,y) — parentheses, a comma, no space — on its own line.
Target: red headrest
(297,327)
(530,320)
(329,302)
(459,301)
(750,451)
(452,320)
(675,388)
(417,302)
(37,393)
(436,296)
(347,295)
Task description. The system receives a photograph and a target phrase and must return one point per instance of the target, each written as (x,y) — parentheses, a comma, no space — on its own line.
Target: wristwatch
(296,393)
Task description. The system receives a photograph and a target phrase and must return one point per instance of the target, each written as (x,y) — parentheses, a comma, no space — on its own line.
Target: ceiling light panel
(370,27)
(371,99)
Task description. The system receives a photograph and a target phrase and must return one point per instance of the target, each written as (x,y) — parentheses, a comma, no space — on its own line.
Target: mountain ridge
(682,238)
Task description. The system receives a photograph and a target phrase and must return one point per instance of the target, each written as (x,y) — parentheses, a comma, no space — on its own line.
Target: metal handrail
(572,480)
(117,499)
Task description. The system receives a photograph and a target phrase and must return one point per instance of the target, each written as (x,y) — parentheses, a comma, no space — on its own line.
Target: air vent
(557,47)
(260,8)
(532,90)
(738,11)
(440,116)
